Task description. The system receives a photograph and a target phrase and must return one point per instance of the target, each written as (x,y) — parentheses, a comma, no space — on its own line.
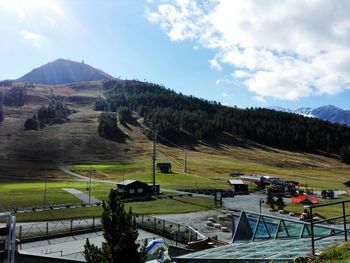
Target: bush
(31,123)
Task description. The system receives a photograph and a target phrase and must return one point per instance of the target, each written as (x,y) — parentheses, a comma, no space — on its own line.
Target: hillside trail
(85,178)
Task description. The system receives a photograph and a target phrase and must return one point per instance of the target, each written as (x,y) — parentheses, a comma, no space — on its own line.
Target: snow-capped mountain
(306,111)
(328,113)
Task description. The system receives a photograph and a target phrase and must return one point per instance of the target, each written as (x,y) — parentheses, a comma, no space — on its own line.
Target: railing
(174,231)
(27,232)
(313,222)
(43,230)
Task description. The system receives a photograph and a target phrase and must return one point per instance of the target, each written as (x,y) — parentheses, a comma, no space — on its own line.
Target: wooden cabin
(164,168)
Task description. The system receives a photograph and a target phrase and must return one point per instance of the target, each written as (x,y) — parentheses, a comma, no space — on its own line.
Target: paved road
(85,178)
(82,196)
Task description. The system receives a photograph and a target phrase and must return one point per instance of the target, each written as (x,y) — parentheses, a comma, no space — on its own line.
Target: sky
(248,53)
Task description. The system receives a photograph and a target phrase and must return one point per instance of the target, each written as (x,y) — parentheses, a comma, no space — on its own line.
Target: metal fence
(174,231)
(56,228)
(170,230)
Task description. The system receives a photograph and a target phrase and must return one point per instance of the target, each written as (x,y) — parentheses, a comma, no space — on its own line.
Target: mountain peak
(327,113)
(64,71)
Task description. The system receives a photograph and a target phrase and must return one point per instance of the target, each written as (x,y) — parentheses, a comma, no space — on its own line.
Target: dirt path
(82,196)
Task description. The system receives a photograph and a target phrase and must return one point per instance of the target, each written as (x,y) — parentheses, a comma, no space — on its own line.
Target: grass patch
(160,206)
(328,211)
(340,254)
(29,194)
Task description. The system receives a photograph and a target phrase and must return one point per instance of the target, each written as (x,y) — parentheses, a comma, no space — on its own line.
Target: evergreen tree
(101,104)
(345,154)
(108,125)
(269,199)
(1,112)
(120,233)
(31,123)
(279,202)
(124,115)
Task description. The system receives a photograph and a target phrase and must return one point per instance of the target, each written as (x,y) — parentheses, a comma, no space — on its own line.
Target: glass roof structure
(269,238)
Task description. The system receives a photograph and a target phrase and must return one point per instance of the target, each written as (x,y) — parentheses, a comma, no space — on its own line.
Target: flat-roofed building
(238,186)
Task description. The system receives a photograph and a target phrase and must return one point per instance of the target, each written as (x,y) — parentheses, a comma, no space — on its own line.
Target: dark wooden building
(164,168)
(136,189)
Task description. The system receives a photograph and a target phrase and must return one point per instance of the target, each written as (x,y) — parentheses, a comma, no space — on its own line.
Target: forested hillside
(14,97)
(179,115)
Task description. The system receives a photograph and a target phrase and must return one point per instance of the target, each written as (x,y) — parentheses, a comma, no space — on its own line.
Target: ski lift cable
(171,159)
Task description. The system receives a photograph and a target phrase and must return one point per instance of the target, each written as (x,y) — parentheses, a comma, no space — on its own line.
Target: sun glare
(26,7)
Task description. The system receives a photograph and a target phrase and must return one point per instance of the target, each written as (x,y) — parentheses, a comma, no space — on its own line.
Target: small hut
(164,168)
(238,186)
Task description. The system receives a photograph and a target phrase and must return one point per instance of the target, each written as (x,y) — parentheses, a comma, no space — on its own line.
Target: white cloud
(225,81)
(34,38)
(282,49)
(224,94)
(214,64)
(260,99)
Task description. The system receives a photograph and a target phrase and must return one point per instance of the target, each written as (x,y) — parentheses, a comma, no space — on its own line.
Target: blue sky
(196,48)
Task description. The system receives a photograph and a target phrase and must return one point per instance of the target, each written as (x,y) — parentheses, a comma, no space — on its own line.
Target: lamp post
(261,201)
(90,187)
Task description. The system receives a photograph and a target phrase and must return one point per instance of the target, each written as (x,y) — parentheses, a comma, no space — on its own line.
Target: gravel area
(232,205)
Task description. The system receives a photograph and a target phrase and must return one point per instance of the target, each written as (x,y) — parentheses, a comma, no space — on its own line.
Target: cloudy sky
(245,53)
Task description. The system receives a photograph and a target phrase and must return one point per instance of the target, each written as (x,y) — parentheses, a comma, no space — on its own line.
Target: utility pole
(90,187)
(185,160)
(45,188)
(154,157)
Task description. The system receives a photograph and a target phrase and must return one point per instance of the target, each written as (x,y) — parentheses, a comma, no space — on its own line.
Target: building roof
(164,164)
(127,182)
(235,182)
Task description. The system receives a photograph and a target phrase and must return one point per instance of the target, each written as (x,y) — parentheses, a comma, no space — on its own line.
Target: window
(132,191)
(140,190)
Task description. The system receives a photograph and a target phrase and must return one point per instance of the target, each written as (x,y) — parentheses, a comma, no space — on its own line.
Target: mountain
(333,114)
(329,113)
(63,71)
(305,111)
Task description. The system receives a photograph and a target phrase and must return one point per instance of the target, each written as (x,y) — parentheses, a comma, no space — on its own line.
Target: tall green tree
(345,154)
(279,202)
(269,198)
(120,234)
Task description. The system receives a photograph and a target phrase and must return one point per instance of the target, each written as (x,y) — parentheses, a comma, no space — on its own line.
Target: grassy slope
(78,142)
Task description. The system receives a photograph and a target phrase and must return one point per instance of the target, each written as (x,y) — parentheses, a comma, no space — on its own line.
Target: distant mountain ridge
(63,71)
(329,113)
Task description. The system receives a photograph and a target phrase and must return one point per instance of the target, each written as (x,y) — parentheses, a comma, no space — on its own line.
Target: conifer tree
(345,154)
(279,202)
(1,112)
(269,199)
(120,234)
